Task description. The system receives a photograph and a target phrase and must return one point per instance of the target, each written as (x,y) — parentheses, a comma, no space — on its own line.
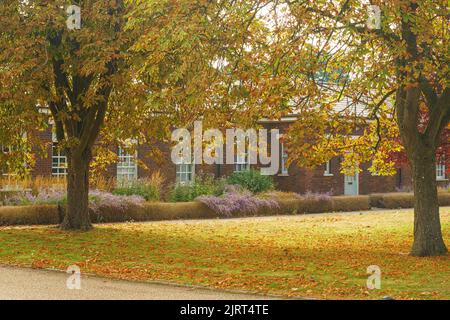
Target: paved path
(18,283)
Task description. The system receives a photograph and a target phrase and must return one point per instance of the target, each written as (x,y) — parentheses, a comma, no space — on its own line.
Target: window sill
(328,175)
(441,179)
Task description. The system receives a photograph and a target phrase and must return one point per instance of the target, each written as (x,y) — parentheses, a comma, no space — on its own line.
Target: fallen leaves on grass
(317,256)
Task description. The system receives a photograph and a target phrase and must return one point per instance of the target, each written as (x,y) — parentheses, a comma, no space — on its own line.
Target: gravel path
(19,283)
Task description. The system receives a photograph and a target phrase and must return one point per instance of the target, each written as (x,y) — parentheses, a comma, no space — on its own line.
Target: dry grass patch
(322,255)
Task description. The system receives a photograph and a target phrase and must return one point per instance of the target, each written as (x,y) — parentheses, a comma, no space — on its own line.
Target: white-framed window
(127,169)
(184,173)
(284,158)
(440,171)
(59,159)
(241,160)
(241,163)
(327,171)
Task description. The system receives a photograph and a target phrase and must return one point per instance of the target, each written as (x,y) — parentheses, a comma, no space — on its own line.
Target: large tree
(391,63)
(131,69)
(72,71)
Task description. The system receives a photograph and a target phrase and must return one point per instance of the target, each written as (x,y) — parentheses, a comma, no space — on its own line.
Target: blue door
(351,187)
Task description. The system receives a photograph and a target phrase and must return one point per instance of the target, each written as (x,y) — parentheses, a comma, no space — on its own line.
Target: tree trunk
(77,210)
(428,239)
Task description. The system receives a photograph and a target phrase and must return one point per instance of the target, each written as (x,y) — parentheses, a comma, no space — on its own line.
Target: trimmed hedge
(150,211)
(153,211)
(29,215)
(311,205)
(397,201)
(444,199)
(351,203)
(376,200)
(402,200)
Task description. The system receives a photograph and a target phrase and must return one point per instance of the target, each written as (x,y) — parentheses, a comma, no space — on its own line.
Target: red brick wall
(43,164)
(300,180)
(369,183)
(153,163)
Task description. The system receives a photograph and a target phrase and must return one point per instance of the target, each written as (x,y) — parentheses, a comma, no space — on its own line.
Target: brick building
(323,179)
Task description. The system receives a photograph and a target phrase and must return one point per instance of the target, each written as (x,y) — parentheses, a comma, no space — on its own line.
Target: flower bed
(235,203)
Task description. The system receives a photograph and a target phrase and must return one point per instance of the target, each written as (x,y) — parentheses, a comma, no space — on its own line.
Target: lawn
(322,256)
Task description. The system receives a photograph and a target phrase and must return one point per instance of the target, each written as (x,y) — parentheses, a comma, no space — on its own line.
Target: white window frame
(327,171)
(440,171)
(127,168)
(184,171)
(241,164)
(241,161)
(59,160)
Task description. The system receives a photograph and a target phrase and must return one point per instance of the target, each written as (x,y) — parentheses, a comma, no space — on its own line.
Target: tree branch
(428,91)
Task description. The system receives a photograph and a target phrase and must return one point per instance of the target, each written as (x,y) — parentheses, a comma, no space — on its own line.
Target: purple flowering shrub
(100,199)
(97,199)
(105,205)
(234,202)
(45,196)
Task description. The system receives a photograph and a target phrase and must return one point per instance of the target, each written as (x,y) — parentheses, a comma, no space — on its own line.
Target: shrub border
(159,211)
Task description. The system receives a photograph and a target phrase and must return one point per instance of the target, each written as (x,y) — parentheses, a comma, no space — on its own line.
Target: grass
(323,256)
